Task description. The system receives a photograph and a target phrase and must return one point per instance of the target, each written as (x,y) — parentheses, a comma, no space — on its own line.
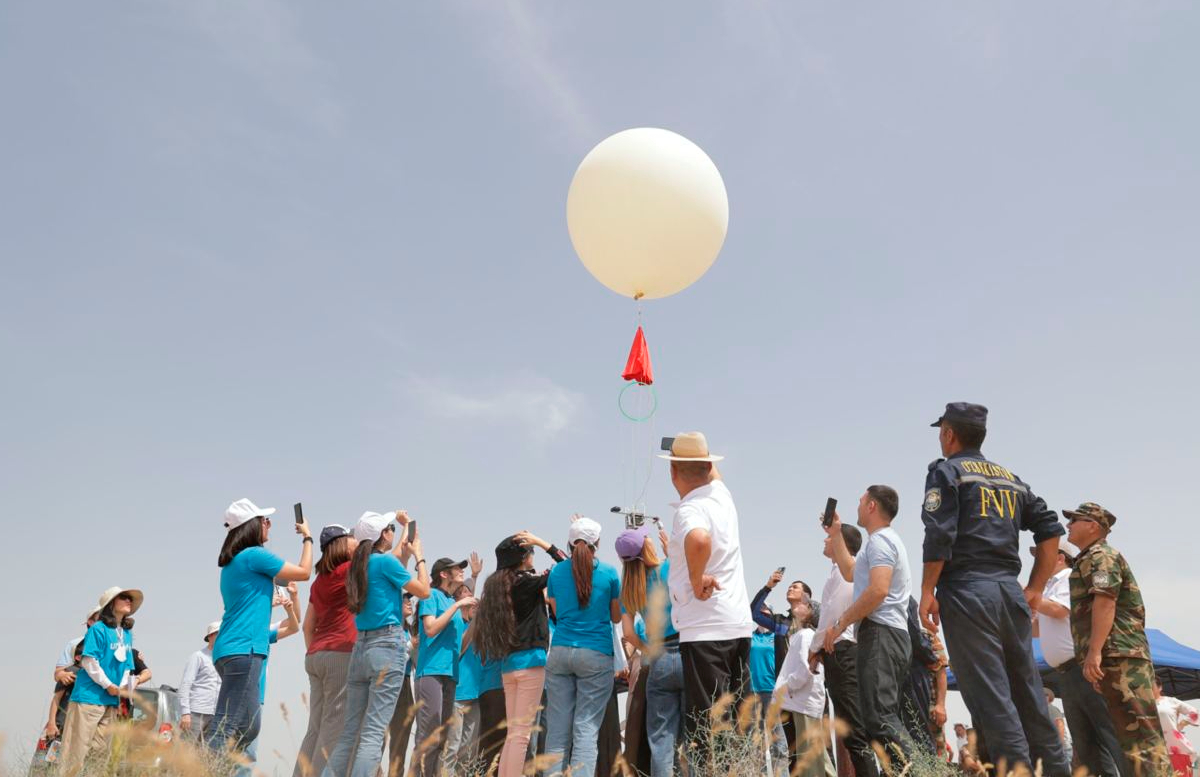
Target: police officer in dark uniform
(974,512)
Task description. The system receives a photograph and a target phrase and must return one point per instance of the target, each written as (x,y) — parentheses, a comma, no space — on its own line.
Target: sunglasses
(125,597)
(1075,518)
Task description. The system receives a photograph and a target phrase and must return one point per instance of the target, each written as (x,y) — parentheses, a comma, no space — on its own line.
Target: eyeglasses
(1075,518)
(125,597)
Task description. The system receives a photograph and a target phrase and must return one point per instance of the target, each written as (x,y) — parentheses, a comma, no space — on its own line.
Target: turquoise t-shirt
(103,644)
(470,670)
(439,656)
(248,590)
(384,605)
(489,678)
(591,626)
(523,659)
(762,662)
(657,578)
(262,680)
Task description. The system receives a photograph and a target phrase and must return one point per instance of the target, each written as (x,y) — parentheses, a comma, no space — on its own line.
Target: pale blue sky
(304,251)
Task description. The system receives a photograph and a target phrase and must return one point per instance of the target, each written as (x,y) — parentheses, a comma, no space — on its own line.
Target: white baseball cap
(370,525)
(243,511)
(584,529)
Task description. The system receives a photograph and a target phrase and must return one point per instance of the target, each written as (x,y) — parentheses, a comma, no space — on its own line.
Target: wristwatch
(306,539)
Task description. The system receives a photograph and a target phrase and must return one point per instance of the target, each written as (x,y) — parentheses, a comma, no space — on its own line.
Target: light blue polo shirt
(384,605)
(884,548)
(439,656)
(102,643)
(590,626)
(489,678)
(248,590)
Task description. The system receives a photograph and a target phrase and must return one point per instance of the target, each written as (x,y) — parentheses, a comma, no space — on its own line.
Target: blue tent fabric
(1177,666)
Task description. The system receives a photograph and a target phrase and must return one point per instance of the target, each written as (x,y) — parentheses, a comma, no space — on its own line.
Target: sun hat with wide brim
(116,591)
(213,628)
(690,446)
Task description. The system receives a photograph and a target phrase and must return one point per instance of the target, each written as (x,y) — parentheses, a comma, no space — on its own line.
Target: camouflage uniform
(1128,682)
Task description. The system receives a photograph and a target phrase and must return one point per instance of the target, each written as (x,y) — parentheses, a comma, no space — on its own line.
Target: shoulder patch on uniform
(933,500)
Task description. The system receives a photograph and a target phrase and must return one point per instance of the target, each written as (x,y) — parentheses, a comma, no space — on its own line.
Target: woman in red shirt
(329,636)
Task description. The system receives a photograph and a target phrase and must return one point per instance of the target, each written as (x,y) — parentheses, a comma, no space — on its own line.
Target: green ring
(653,395)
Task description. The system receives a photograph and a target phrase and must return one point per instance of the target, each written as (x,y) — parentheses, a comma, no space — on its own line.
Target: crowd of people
(520,672)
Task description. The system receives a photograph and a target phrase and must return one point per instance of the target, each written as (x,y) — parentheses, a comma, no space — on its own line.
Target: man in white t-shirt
(709,605)
(882,588)
(1088,720)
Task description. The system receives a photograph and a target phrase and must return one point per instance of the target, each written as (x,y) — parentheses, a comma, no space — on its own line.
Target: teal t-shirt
(762,662)
(104,644)
(439,656)
(590,626)
(384,605)
(523,659)
(657,578)
(470,670)
(262,680)
(489,678)
(248,590)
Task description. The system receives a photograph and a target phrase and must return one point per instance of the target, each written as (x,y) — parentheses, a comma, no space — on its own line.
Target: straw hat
(116,591)
(690,446)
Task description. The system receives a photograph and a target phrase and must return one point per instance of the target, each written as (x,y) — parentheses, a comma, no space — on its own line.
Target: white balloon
(647,212)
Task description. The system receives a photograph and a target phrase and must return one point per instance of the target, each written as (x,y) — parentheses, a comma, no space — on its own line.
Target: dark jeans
(238,716)
(841,679)
(711,670)
(883,659)
(988,635)
(492,716)
(400,730)
(1090,724)
(435,693)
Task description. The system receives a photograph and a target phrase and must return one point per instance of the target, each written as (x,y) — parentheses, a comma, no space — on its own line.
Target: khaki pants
(87,728)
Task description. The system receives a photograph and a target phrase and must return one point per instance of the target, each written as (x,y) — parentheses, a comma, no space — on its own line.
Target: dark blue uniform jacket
(974,512)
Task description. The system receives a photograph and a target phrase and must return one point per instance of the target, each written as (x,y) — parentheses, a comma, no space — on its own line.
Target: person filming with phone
(882,588)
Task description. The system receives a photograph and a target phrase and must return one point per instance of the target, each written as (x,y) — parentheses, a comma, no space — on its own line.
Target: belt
(394,628)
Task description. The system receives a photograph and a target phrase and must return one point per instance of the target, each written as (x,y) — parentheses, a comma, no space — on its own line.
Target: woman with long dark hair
(375,586)
(329,637)
(511,626)
(584,594)
(248,575)
(644,591)
(106,662)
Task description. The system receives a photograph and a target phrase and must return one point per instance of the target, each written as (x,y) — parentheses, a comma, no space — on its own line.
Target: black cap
(964,413)
(510,553)
(331,533)
(443,564)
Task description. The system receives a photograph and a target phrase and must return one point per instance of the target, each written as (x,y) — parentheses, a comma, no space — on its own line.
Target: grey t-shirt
(884,548)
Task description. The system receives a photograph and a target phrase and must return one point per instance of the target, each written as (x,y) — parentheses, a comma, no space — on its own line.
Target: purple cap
(630,543)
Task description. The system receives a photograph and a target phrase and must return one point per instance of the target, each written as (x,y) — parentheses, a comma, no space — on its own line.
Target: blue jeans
(664,709)
(372,689)
(238,715)
(578,684)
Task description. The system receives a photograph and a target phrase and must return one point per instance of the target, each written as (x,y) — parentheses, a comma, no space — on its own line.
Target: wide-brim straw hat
(690,446)
(116,591)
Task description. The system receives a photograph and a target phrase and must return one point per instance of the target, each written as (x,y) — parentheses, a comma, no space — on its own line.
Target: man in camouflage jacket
(1108,622)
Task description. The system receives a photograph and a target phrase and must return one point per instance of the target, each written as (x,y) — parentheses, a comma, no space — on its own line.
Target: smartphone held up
(830,510)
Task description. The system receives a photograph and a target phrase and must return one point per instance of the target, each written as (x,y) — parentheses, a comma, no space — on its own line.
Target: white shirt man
(709,605)
(200,686)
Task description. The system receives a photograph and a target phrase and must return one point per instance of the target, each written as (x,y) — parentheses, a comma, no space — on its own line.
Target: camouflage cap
(1094,512)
